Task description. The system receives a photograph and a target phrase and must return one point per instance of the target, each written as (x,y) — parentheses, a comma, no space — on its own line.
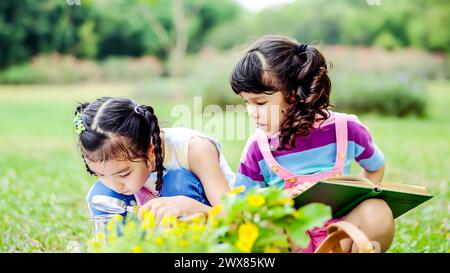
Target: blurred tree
(171,29)
(392,24)
(103,28)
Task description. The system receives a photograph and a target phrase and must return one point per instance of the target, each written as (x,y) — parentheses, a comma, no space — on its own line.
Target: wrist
(191,206)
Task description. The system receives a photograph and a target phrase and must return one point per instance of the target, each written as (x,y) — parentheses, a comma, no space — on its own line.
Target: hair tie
(301,48)
(136,109)
(79,124)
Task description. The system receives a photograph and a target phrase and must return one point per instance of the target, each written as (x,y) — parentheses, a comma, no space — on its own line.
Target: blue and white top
(176,147)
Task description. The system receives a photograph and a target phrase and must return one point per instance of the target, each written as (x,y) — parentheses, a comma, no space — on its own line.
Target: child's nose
(252,112)
(119,187)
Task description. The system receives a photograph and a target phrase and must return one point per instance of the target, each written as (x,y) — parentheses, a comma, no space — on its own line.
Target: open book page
(384,185)
(351,180)
(404,188)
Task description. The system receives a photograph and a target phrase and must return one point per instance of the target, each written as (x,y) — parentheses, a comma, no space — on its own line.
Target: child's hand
(166,206)
(300,188)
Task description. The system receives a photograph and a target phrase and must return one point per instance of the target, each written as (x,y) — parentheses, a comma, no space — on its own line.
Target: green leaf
(300,237)
(314,215)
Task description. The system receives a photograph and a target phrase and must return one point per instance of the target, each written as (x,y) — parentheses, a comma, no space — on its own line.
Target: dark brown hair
(118,128)
(299,71)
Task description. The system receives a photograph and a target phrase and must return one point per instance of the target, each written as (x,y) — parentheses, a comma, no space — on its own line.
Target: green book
(344,193)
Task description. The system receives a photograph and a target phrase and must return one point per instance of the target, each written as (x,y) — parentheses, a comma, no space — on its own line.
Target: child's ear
(290,98)
(151,152)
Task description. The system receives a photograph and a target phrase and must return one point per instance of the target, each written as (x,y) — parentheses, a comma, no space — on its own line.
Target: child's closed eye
(125,175)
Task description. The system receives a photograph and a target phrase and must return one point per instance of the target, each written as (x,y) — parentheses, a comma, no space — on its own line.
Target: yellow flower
(111,238)
(271,249)
(110,226)
(145,214)
(149,220)
(118,217)
(182,225)
(177,232)
(255,200)
(215,210)
(168,220)
(130,228)
(184,243)
(159,240)
(145,225)
(198,218)
(137,249)
(95,245)
(248,231)
(285,200)
(237,190)
(244,245)
(198,228)
(100,236)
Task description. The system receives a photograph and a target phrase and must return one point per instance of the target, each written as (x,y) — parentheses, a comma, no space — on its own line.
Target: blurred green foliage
(391,24)
(388,95)
(100,28)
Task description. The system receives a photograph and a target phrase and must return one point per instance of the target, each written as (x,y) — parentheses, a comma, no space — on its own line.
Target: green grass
(43,182)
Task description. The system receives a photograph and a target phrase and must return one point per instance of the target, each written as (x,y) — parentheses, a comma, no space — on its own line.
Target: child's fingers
(147,206)
(294,192)
(305,185)
(301,187)
(141,211)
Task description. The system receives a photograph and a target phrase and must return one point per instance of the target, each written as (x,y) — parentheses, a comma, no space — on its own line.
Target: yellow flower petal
(110,226)
(118,217)
(95,244)
(248,231)
(168,220)
(159,240)
(244,245)
(137,249)
(237,190)
(111,238)
(255,200)
(215,210)
(100,236)
(184,243)
(286,201)
(271,249)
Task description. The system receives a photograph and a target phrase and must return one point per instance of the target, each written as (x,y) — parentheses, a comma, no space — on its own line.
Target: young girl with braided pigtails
(299,141)
(122,144)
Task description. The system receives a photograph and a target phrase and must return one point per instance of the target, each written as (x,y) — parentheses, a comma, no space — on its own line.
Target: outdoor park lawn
(43,182)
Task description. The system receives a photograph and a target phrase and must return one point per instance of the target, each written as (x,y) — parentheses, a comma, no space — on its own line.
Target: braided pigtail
(156,141)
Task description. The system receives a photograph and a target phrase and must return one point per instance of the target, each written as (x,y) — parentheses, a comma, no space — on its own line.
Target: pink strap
(267,154)
(341,149)
(144,195)
(341,141)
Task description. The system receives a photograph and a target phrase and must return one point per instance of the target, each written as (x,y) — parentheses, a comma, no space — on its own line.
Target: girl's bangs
(250,76)
(116,148)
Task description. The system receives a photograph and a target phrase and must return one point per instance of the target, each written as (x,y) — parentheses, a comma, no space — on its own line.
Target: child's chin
(267,130)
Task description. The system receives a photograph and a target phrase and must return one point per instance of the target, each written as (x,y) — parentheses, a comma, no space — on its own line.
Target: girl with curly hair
(299,141)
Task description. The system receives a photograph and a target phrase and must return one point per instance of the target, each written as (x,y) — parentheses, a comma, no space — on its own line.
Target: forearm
(195,206)
(375,176)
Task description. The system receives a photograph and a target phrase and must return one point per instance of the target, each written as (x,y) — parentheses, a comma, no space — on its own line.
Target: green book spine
(344,210)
